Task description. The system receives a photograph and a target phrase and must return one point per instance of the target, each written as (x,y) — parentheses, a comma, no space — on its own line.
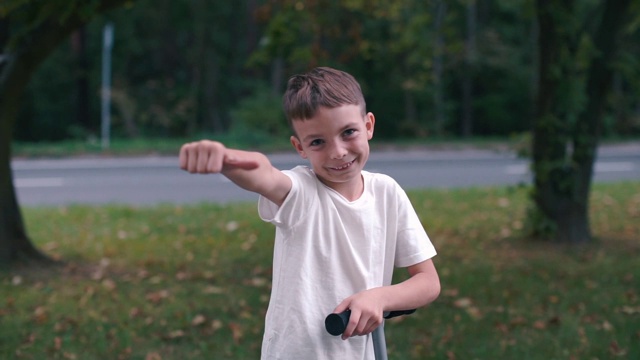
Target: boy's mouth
(343,166)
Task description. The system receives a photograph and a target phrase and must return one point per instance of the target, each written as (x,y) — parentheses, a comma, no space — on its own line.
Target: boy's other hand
(366,312)
(211,157)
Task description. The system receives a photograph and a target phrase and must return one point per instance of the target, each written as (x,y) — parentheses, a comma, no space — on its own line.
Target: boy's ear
(298,146)
(370,122)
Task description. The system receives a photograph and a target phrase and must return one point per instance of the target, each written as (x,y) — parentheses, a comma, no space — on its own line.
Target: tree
(29,31)
(575,78)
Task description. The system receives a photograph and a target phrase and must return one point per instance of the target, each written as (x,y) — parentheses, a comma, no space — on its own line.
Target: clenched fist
(211,157)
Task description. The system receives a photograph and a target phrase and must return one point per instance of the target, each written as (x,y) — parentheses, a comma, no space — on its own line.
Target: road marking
(600,167)
(38,182)
(516,169)
(614,166)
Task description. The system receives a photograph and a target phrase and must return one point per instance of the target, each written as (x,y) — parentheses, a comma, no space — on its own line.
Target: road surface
(155,180)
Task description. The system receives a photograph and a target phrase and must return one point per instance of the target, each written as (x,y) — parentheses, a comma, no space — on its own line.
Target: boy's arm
(250,170)
(367,307)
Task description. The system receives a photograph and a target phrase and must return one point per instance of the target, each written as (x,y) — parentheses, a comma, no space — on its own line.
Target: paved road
(154,180)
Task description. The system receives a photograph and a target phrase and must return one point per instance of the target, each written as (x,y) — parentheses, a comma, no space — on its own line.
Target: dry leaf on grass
(198,320)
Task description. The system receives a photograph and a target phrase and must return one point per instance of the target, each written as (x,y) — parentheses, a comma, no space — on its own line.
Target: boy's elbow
(430,281)
(434,292)
(431,288)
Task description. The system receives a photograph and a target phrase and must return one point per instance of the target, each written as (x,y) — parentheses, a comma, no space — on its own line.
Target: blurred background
(190,68)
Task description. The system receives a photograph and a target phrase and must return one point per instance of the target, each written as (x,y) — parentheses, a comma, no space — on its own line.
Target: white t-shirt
(328,248)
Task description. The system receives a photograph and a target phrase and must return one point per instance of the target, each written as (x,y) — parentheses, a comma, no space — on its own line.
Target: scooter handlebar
(337,323)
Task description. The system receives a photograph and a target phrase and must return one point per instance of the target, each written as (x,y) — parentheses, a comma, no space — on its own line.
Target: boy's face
(336,143)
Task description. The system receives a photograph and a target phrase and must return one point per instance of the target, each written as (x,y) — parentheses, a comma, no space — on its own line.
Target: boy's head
(326,111)
(320,87)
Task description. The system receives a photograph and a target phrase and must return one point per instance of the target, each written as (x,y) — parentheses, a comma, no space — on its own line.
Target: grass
(238,139)
(192,282)
(141,146)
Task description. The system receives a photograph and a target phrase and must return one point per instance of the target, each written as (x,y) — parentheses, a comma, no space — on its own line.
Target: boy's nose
(338,151)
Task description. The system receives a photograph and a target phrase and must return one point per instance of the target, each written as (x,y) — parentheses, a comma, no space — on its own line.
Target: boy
(340,230)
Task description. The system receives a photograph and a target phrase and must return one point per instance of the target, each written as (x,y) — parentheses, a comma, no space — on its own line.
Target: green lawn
(192,282)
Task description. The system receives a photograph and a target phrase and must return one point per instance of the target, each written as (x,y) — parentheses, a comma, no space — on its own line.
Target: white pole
(106,84)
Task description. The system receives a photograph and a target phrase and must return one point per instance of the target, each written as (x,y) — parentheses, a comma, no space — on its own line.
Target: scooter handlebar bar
(337,323)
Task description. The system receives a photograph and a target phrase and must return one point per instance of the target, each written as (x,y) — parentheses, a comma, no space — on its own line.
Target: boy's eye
(315,142)
(349,132)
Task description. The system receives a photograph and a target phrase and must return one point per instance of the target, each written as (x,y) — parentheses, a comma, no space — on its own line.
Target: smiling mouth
(344,166)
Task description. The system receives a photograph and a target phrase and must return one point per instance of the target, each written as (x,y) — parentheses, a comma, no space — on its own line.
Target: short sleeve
(301,197)
(413,245)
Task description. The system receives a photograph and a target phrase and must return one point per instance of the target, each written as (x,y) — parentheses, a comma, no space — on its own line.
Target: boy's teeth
(343,166)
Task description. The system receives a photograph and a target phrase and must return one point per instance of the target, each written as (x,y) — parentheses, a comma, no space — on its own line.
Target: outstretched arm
(367,306)
(250,170)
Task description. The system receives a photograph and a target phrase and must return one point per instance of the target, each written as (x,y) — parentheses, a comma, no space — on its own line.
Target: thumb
(235,163)
(343,306)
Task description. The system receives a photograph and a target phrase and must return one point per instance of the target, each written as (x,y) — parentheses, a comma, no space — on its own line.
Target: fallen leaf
(109,284)
(216,325)
(198,320)
(213,290)
(232,226)
(181,275)
(503,328)
(451,292)
(40,315)
(135,312)
(540,324)
(474,312)
(175,334)
(518,321)
(630,310)
(259,281)
(156,297)
(616,350)
(462,302)
(236,332)
(153,356)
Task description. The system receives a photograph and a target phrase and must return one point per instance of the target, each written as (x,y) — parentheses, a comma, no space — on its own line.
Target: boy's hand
(366,312)
(211,157)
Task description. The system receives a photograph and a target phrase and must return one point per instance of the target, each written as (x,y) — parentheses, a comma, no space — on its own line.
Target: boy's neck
(351,190)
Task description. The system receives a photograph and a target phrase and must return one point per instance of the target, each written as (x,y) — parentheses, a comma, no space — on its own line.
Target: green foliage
(40,116)
(192,282)
(27,15)
(262,112)
(181,67)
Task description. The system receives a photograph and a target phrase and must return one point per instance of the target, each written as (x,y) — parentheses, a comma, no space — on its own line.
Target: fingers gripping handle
(337,323)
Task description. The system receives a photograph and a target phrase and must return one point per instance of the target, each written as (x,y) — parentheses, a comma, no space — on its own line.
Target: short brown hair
(320,87)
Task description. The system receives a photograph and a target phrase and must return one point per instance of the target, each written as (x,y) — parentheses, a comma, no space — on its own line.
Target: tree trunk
(17,65)
(563,155)
(14,243)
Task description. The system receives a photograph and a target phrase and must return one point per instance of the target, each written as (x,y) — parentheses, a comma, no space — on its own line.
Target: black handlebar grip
(337,323)
(392,314)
